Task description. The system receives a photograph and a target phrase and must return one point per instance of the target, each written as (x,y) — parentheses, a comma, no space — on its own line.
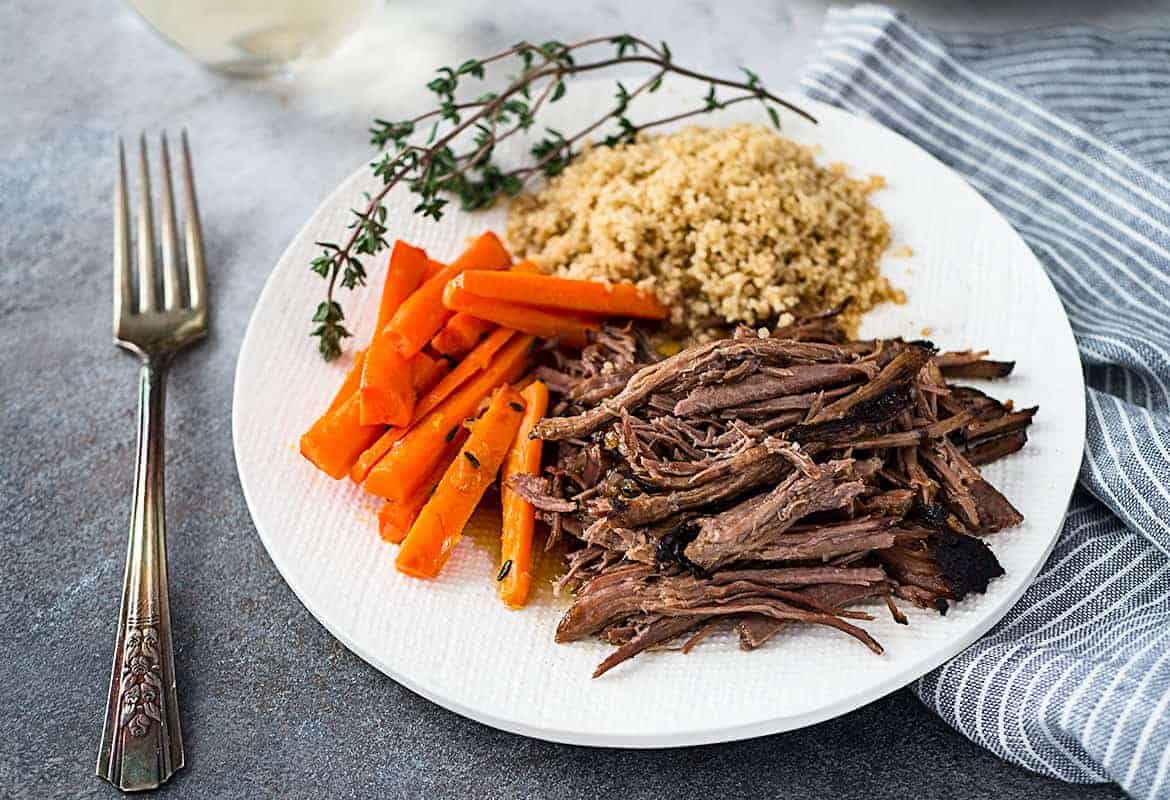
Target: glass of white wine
(255,37)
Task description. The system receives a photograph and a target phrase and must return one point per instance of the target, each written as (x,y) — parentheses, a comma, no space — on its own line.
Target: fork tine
(123,298)
(170,239)
(196,270)
(146,293)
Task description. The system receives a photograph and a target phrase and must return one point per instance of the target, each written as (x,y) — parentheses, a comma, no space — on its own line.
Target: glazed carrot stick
(387,397)
(527,319)
(426,371)
(407,266)
(374,452)
(387,386)
(460,334)
(337,439)
(486,252)
(394,518)
(565,294)
(475,361)
(350,384)
(423,313)
(329,443)
(408,461)
(440,523)
(519,515)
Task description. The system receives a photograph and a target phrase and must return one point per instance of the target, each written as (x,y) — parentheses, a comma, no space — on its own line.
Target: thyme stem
(434,169)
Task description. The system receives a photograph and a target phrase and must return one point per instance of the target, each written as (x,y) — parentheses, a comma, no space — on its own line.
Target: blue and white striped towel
(1067,133)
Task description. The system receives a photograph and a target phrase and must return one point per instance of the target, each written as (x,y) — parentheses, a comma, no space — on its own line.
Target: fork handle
(142,745)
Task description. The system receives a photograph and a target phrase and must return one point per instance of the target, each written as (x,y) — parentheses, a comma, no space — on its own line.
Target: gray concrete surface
(273,706)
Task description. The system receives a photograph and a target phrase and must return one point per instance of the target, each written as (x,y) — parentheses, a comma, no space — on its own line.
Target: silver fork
(142,745)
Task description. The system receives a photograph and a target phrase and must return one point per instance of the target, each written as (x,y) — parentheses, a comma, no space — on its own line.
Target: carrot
(440,523)
(433,269)
(473,362)
(350,383)
(374,452)
(407,463)
(478,359)
(387,388)
(386,394)
(407,266)
(519,515)
(394,518)
(426,371)
(460,334)
(526,266)
(337,439)
(564,294)
(527,319)
(423,313)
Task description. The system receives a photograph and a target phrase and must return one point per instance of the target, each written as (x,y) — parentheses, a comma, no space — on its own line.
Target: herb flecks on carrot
(408,461)
(519,518)
(534,321)
(394,518)
(478,359)
(422,315)
(440,523)
(565,294)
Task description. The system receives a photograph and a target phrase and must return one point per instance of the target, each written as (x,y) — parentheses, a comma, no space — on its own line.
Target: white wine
(254,37)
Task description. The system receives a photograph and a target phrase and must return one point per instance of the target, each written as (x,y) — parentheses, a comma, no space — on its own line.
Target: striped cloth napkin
(1067,132)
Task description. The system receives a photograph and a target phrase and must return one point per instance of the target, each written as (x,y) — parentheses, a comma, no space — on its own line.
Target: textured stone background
(272,705)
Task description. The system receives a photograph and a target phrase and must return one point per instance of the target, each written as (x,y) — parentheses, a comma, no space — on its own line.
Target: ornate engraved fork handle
(142,745)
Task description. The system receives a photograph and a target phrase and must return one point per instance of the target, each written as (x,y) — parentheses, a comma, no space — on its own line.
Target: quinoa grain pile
(726,225)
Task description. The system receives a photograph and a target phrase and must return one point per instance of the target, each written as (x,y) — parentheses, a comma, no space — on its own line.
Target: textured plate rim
(683,737)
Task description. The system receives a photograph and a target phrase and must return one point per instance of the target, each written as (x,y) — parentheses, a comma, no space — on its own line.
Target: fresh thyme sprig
(449,149)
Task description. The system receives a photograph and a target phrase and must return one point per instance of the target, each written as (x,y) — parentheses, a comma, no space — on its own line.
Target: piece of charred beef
(976,502)
(946,565)
(875,403)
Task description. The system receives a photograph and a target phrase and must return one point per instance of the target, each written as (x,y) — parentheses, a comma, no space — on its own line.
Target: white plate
(971,280)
